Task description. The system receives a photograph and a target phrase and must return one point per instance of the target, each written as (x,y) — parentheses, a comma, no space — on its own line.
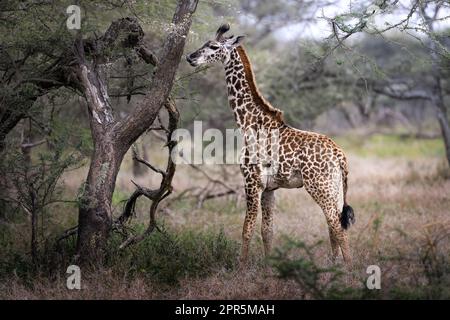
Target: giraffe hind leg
(267,205)
(338,235)
(334,244)
(329,203)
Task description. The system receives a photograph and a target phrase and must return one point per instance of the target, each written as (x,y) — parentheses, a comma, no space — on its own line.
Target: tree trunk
(441,113)
(34,236)
(436,97)
(95,216)
(95,207)
(8,120)
(34,217)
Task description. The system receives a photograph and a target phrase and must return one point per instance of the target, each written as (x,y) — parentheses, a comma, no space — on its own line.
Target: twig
(146,163)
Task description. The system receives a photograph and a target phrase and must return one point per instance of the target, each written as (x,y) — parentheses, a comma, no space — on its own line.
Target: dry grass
(402,207)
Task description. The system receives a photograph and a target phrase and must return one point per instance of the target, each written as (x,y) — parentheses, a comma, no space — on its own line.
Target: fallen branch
(209,191)
(66,234)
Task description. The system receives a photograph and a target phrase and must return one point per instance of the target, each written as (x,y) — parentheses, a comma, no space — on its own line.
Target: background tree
(417,20)
(32,185)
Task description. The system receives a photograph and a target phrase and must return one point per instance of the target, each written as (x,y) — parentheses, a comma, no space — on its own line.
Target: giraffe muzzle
(191,61)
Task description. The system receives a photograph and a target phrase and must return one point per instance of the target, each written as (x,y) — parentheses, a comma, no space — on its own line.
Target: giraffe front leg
(253,206)
(267,206)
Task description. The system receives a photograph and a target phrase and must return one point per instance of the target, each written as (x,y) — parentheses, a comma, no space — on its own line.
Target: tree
(416,20)
(34,61)
(29,56)
(31,186)
(267,16)
(113,137)
(439,55)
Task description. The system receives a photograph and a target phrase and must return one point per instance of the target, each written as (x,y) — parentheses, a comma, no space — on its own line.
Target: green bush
(164,257)
(168,256)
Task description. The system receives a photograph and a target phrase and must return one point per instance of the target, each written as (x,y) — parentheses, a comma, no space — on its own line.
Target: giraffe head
(216,50)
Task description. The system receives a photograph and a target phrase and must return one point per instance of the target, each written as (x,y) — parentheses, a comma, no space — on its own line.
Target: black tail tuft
(347,217)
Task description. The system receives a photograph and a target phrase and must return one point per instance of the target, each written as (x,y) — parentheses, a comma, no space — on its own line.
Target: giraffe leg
(253,206)
(328,200)
(334,244)
(267,205)
(345,247)
(338,238)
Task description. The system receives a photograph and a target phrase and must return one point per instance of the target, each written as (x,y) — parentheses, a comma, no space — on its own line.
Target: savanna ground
(399,188)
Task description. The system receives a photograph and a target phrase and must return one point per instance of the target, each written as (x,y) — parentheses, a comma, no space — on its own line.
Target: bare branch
(156,196)
(137,158)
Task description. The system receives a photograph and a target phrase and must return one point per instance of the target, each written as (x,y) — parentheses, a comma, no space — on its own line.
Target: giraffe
(303,158)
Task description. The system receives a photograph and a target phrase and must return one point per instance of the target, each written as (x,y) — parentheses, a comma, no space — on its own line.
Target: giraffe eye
(214,46)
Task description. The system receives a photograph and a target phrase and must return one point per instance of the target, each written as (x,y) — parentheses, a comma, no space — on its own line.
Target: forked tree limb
(156,195)
(137,158)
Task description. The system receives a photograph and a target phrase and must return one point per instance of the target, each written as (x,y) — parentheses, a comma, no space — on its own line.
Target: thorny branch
(155,195)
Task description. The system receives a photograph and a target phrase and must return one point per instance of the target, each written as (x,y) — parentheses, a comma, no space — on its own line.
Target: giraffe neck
(250,108)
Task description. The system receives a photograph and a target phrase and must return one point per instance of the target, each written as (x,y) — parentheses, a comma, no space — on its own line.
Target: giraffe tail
(347,216)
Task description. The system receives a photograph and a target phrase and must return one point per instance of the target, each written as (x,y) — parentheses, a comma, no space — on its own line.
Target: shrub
(164,257)
(168,256)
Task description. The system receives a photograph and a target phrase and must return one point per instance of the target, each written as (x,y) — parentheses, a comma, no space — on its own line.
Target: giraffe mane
(250,77)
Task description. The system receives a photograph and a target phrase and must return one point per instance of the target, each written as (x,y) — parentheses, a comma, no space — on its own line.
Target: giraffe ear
(221,31)
(235,42)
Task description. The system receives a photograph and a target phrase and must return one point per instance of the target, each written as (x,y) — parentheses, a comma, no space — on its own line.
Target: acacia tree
(29,57)
(35,60)
(417,20)
(113,137)
(439,56)
(32,186)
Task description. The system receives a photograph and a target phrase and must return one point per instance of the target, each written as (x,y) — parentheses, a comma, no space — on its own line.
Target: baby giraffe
(292,158)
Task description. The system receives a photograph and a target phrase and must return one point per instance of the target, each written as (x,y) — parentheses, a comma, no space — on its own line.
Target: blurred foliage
(296,89)
(296,260)
(299,261)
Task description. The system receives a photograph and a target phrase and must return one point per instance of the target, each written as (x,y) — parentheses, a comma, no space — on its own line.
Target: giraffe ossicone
(303,158)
